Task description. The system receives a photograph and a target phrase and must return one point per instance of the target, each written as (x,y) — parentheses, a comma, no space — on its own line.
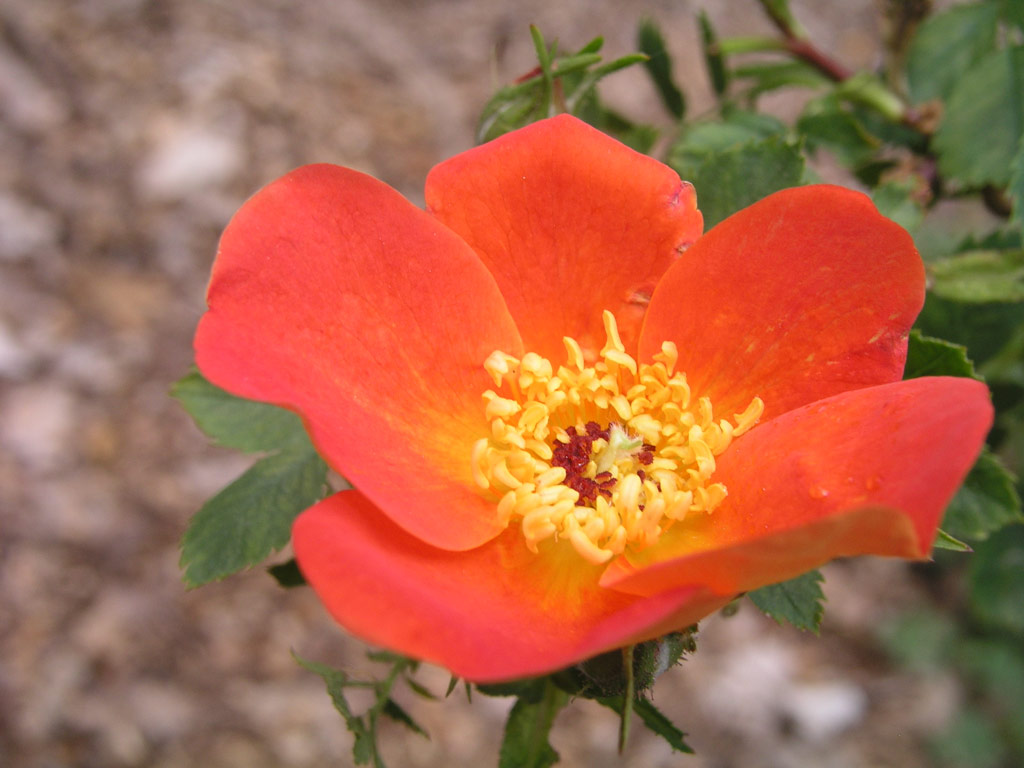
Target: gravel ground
(130,131)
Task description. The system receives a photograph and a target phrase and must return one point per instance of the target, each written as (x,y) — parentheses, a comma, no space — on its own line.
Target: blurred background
(130,131)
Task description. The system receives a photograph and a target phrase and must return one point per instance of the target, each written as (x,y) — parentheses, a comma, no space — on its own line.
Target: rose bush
(729,413)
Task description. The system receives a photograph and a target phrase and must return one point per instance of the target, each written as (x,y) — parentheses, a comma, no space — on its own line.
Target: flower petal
(866,472)
(498,612)
(335,297)
(805,294)
(570,222)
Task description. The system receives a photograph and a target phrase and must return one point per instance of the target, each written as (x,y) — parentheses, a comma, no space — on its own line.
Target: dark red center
(575,455)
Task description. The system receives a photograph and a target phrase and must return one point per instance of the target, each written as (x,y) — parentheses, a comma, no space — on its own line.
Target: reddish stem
(805,50)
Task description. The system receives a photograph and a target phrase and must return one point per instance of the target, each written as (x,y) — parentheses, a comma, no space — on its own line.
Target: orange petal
(570,222)
(498,612)
(805,294)
(865,472)
(335,297)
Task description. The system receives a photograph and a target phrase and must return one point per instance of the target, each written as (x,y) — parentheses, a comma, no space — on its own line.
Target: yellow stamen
(651,467)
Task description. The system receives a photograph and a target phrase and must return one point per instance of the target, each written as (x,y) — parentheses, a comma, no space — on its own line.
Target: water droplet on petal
(817,492)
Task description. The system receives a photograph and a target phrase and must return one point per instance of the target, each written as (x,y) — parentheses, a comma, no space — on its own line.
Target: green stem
(627,699)
(382,689)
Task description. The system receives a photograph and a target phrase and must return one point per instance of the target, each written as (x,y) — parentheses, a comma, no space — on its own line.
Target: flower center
(607,456)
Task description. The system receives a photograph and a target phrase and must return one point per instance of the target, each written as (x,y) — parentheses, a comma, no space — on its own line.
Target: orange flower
(572,422)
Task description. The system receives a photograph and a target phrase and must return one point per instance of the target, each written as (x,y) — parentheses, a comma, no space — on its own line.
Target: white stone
(37,424)
(162,710)
(187,160)
(822,710)
(15,359)
(24,228)
(24,99)
(750,685)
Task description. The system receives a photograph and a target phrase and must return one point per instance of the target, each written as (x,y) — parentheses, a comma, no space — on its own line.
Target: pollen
(605,457)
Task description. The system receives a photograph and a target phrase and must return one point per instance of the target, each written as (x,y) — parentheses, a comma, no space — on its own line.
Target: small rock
(162,710)
(62,674)
(24,229)
(81,507)
(15,358)
(37,424)
(115,624)
(822,710)
(189,160)
(750,685)
(24,99)
(96,366)
(112,724)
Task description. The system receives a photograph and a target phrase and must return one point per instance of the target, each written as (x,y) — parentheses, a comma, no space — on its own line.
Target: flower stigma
(605,456)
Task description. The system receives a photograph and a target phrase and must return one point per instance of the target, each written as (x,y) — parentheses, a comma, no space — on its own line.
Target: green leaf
(983,328)
(944,541)
(979,276)
(701,140)
(661,725)
(928,356)
(659,67)
(560,84)
(1006,367)
(364,727)
(573,64)
(253,516)
(529,723)
(1012,12)
(636,136)
(770,76)
(896,200)
(531,689)
(731,180)
(889,131)
(234,422)
(839,132)
(713,56)
(654,719)
(996,666)
(1016,188)
(996,240)
(865,89)
(945,45)
(731,46)
(969,741)
(984,119)
(419,689)
(798,601)
(779,10)
(387,657)
(986,502)
(604,675)
(287,574)
(392,709)
(921,640)
(997,580)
